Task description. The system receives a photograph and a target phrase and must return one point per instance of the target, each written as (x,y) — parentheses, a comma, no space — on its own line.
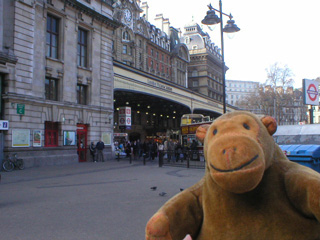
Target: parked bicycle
(12,162)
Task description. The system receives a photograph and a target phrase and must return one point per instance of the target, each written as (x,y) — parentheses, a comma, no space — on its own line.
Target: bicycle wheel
(20,164)
(8,166)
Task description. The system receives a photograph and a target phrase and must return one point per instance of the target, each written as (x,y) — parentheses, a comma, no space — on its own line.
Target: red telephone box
(82,142)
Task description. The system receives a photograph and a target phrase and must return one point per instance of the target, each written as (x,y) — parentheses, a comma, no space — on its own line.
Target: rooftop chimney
(145,8)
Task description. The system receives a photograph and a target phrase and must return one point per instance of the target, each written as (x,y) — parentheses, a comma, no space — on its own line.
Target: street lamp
(210,19)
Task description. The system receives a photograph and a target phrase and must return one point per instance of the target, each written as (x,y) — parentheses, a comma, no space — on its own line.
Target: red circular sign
(122,121)
(128,120)
(312,92)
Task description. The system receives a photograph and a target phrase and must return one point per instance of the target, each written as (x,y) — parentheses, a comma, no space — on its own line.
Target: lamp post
(210,19)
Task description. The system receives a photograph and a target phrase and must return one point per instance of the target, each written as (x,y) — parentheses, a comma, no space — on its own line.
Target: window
(81,94)
(195,73)
(126,36)
(124,49)
(51,89)
(82,47)
(51,134)
(195,83)
(52,36)
(151,52)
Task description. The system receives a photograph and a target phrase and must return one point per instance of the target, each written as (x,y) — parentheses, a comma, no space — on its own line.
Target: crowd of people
(170,149)
(149,150)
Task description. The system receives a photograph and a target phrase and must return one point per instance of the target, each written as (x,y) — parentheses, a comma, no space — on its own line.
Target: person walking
(100,147)
(161,150)
(92,149)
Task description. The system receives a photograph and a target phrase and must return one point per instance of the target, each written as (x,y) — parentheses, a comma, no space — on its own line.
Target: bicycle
(12,162)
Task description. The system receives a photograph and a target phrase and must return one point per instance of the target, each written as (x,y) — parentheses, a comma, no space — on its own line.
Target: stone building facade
(238,90)
(154,49)
(142,50)
(205,67)
(57,78)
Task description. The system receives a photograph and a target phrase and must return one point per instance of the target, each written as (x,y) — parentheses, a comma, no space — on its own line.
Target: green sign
(20,108)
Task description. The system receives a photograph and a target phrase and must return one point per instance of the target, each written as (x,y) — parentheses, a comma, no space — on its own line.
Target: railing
(184,158)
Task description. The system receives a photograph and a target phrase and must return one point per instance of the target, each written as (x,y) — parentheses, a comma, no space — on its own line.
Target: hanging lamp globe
(231,27)
(211,18)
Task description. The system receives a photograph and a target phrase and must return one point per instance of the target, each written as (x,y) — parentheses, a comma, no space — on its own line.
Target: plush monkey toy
(250,190)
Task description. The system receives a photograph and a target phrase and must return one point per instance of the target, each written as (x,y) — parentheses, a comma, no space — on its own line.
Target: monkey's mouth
(237,168)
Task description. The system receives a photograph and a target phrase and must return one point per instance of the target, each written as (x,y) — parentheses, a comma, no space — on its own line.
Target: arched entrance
(152,116)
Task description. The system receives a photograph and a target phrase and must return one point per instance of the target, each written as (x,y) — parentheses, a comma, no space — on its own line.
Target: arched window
(187,40)
(126,36)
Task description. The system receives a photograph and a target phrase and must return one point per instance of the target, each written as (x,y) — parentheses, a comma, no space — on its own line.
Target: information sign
(311,92)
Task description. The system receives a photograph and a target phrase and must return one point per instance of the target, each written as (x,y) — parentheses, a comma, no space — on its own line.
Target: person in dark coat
(92,149)
(100,147)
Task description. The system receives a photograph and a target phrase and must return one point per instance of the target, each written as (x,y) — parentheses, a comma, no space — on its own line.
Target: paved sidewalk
(109,201)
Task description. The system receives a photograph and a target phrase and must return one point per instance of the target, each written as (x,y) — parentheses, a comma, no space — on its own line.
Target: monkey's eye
(215,131)
(246,126)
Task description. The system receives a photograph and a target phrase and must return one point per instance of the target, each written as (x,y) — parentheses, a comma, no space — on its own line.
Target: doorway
(82,142)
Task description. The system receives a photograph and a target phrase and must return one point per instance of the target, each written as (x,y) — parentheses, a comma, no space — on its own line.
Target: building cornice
(92,13)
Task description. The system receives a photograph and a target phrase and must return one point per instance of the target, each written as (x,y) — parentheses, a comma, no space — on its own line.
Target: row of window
(156,55)
(243,85)
(52,90)
(52,41)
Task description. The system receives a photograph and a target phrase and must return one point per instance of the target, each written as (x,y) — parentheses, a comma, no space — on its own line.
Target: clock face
(127,15)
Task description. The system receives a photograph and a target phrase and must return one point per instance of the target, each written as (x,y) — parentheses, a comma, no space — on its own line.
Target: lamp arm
(212,8)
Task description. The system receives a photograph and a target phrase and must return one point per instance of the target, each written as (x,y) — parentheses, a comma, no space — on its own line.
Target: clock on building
(127,15)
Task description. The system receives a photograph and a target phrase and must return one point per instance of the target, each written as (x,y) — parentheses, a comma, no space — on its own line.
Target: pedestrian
(178,151)
(135,150)
(150,150)
(92,149)
(170,149)
(194,149)
(100,147)
(161,149)
(139,145)
(128,149)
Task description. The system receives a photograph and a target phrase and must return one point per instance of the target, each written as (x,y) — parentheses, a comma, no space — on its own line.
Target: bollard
(188,160)
(118,156)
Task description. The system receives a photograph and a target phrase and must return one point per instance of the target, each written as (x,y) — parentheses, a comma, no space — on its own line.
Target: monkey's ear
(201,132)
(270,124)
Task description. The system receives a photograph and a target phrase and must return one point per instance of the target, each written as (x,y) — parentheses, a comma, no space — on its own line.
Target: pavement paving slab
(107,200)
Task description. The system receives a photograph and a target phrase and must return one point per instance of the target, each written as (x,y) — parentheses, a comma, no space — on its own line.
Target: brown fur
(250,190)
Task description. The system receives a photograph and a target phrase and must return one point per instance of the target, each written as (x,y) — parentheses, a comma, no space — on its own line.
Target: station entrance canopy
(135,88)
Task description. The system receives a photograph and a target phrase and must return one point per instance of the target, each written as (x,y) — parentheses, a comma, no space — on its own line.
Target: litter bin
(307,155)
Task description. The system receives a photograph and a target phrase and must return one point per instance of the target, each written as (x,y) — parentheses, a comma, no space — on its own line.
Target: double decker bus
(189,124)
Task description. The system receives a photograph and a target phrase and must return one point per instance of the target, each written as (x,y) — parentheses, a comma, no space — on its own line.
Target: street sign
(20,108)
(124,121)
(4,125)
(125,116)
(124,111)
(311,92)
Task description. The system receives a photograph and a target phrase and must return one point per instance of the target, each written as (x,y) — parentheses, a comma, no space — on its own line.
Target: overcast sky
(283,31)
